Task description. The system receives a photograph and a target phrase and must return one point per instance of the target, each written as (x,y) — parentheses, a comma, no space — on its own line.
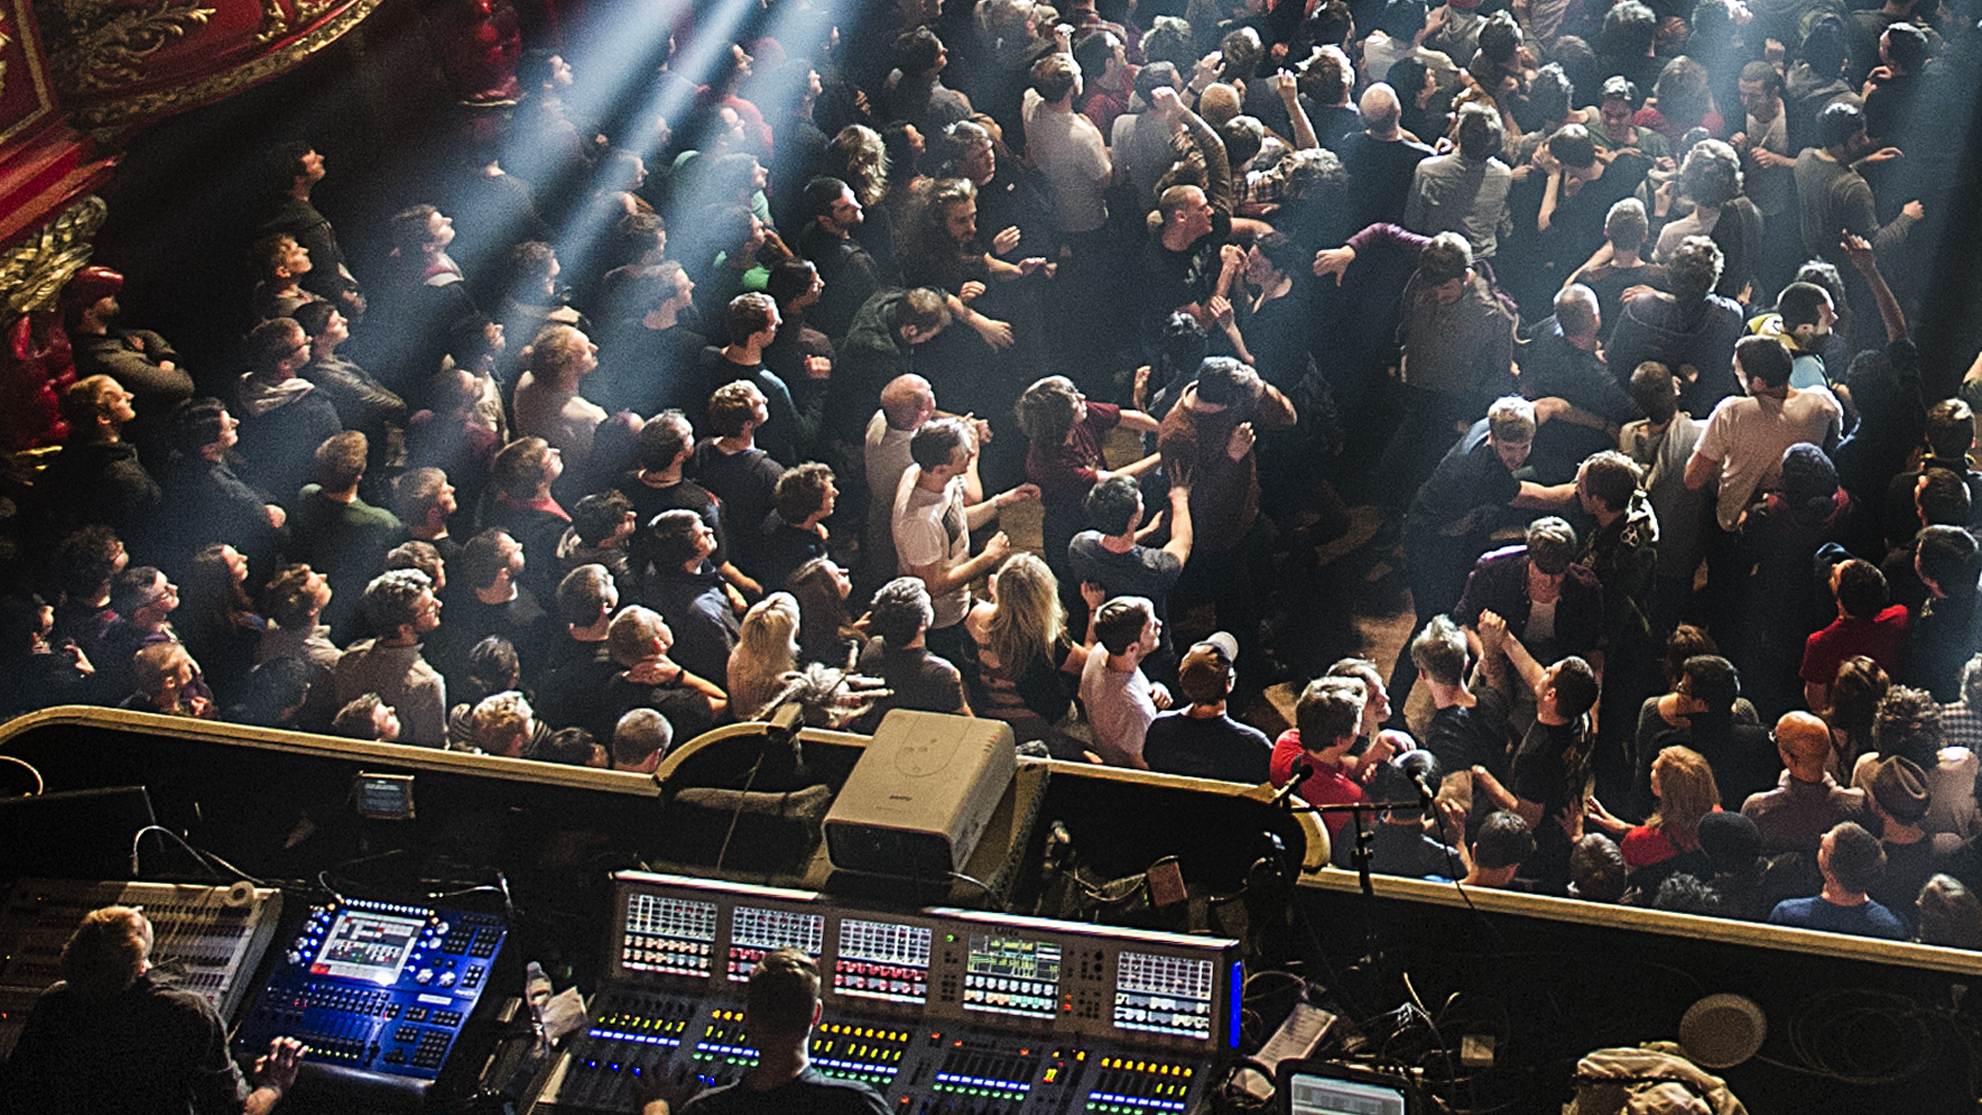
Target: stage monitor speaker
(919,799)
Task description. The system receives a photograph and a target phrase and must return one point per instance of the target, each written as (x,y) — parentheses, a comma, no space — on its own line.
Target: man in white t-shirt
(1119,700)
(933,519)
(1745,438)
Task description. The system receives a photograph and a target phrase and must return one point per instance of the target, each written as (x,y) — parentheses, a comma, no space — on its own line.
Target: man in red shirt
(1864,625)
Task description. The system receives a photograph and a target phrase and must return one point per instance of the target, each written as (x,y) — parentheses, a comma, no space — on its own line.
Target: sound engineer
(779,1012)
(109,1037)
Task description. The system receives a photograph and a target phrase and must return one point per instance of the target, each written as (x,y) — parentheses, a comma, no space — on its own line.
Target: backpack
(1653,1079)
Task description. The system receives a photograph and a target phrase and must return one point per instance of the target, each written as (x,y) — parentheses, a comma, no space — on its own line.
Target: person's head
(571,747)
(737,408)
(1626,225)
(1731,842)
(96,405)
(1711,683)
(1684,893)
(503,723)
(919,52)
(1206,674)
(753,317)
(783,1000)
(1606,481)
(1504,841)
(294,597)
(1899,790)
(769,631)
(340,461)
(1445,266)
(1380,110)
(1693,270)
(277,349)
(401,601)
(640,739)
(1655,391)
(1711,174)
(421,230)
(900,611)
(1480,133)
(561,353)
(1440,651)
(420,493)
(143,595)
(1329,715)
(1682,92)
(415,554)
(1596,869)
(794,284)
(1851,858)
(1114,506)
(664,441)
(1859,587)
(922,313)
(1186,213)
(1048,411)
(1568,689)
(1807,313)
(1272,257)
(1908,723)
(1950,914)
(1841,128)
(291,163)
(1572,146)
(972,153)
(1551,545)
(1055,78)
(602,517)
(1762,363)
(1950,430)
(275,692)
(86,559)
(679,539)
(907,402)
(942,447)
(1576,310)
(1511,429)
(1760,86)
(1127,624)
(1971,682)
(1904,47)
(857,157)
(1853,703)
(160,672)
(1945,558)
(524,466)
(488,557)
(1684,784)
(1550,93)
(1029,619)
(1941,497)
(636,635)
(107,952)
(214,580)
(586,596)
(1223,380)
(1376,696)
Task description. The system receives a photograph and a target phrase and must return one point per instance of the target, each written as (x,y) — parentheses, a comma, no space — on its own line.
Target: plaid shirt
(1961,726)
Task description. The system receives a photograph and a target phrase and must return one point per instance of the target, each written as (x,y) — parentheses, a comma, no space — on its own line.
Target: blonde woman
(766,648)
(1669,840)
(1019,664)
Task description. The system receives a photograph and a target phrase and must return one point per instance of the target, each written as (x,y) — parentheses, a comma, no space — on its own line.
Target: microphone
(1303,770)
(1425,792)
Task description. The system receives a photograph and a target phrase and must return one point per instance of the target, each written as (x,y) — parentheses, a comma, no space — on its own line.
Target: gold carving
(199,92)
(108,47)
(277,22)
(33,272)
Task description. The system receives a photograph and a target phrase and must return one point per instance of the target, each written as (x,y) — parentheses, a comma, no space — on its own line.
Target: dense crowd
(1591,320)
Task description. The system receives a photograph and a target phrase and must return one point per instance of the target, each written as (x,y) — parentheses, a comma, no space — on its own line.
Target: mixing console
(944,1012)
(377,988)
(207,940)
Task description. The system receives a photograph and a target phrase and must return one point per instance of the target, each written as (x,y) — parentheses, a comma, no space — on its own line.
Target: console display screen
(362,945)
(883,960)
(668,936)
(1323,1095)
(1011,975)
(754,932)
(1163,995)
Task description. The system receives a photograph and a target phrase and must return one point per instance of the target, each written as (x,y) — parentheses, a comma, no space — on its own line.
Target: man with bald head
(1380,159)
(1807,802)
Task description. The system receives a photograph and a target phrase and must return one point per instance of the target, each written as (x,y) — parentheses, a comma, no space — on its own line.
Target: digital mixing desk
(940,1010)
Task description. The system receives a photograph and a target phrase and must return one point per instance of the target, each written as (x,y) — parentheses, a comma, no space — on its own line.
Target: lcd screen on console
(1163,995)
(1011,975)
(366,946)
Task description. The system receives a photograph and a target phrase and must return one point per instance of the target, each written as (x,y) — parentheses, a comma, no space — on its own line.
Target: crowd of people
(703,413)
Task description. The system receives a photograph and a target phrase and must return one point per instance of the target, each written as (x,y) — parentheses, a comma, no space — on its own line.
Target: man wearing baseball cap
(1201,740)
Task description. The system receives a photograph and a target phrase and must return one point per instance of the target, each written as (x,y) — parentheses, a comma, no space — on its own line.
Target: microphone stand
(1373,964)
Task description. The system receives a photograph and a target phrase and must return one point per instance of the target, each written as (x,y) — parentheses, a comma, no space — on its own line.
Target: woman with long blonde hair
(1669,840)
(1019,664)
(766,647)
